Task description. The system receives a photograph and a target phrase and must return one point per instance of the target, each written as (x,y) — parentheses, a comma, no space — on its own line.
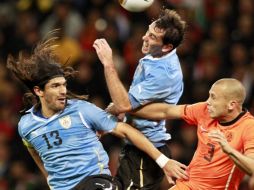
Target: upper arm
(37,160)
(34,154)
(120,129)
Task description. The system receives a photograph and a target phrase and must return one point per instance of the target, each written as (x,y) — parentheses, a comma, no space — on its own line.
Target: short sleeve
(192,113)
(156,86)
(248,137)
(97,118)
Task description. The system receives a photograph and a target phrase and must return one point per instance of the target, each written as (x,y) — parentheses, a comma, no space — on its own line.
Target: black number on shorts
(58,141)
(210,152)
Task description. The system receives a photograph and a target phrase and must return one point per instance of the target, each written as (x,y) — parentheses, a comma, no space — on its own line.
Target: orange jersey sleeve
(210,168)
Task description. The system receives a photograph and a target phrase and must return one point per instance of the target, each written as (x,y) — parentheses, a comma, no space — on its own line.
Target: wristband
(162,160)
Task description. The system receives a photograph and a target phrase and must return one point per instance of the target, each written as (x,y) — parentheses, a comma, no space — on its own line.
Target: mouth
(210,112)
(209,109)
(62,100)
(145,46)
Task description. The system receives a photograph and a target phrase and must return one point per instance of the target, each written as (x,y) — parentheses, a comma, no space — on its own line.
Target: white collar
(149,56)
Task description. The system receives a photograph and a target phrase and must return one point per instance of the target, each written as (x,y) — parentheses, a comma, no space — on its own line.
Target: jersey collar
(149,56)
(234,120)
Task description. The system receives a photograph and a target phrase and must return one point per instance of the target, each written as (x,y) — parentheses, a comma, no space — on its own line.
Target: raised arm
(169,166)
(159,111)
(116,89)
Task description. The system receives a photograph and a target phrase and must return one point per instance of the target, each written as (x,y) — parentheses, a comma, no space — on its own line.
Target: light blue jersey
(156,80)
(67,142)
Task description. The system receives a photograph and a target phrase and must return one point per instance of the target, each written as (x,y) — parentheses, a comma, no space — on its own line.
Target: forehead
(153,28)
(56,80)
(217,90)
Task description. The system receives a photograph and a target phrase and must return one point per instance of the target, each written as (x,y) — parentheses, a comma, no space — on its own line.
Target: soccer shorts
(138,171)
(99,182)
(180,186)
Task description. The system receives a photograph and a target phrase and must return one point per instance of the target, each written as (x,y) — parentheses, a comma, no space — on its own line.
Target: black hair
(40,67)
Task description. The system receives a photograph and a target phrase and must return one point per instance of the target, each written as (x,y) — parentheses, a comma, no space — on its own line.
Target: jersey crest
(229,136)
(65,122)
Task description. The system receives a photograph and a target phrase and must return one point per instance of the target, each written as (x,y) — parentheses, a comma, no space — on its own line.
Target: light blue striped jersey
(156,80)
(67,142)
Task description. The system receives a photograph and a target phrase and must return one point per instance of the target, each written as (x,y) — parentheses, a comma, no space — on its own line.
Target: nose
(208,101)
(145,37)
(63,89)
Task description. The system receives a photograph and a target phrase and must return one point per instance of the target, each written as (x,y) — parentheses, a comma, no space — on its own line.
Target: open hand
(103,51)
(176,170)
(220,138)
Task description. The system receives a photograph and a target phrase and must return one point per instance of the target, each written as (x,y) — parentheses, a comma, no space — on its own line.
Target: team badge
(229,136)
(65,122)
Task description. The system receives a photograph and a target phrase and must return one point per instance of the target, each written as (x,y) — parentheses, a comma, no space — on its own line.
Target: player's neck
(232,118)
(46,112)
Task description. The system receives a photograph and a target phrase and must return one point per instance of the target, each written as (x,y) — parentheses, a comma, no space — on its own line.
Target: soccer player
(225,133)
(158,77)
(59,130)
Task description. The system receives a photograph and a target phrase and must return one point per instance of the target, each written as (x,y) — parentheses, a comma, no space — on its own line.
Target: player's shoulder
(26,116)
(249,118)
(76,103)
(79,104)
(26,122)
(199,107)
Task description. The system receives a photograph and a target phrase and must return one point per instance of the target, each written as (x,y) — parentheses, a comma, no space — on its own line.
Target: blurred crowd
(218,43)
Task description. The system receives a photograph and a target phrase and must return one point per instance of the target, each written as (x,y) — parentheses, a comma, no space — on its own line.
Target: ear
(38,91)
(232,104)
(167,48)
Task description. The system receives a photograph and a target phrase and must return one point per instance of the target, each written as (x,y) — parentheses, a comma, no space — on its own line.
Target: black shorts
(138,171)
(99,182)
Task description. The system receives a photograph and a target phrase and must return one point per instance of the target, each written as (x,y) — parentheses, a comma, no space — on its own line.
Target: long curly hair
(38,68)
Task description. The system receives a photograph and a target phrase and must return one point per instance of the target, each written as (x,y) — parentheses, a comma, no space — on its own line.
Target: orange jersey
(210,167)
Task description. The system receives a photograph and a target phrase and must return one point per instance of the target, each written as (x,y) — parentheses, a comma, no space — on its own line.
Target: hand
(220,138)
(104,52)
(176,170)
(121,117)
(99,134)
(111,109)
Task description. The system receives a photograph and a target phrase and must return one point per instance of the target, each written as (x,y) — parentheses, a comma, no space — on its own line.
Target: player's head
(226,98)
(164,34)
(42,74)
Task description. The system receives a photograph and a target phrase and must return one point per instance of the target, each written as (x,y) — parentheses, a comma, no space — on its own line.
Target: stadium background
(218,43)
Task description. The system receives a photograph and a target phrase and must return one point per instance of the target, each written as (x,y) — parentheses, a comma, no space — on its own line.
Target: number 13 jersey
(67,142)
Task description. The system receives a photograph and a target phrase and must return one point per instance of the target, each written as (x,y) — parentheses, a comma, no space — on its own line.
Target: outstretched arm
(116,89)
(159,111)
(244,162)
(169,166)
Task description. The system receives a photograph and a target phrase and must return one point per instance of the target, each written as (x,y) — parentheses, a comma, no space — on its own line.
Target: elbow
(123,108)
